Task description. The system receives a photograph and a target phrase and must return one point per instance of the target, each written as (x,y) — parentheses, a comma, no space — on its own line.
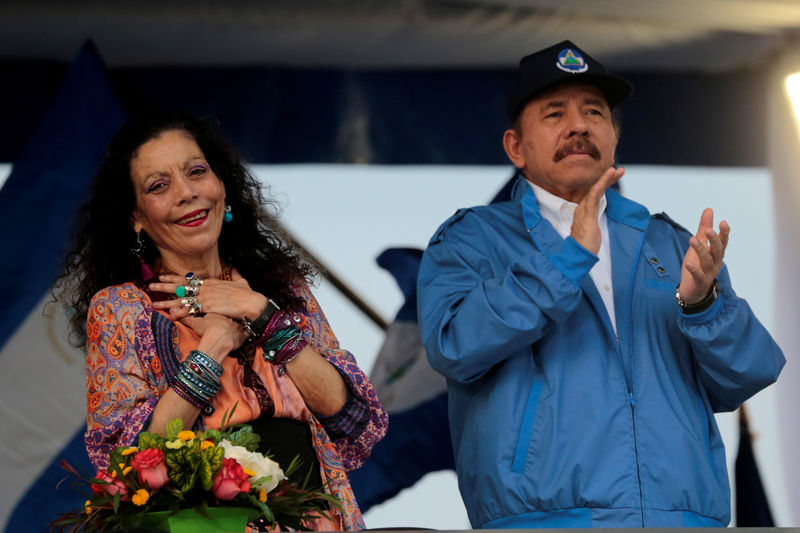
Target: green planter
(219,520)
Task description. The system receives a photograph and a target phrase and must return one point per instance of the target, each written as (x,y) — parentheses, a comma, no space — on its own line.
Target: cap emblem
(571,61)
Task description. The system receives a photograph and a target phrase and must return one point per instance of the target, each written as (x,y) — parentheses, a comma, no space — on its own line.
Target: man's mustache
(578,146)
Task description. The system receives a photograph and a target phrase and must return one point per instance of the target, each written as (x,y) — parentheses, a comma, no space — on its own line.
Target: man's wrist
(702,305)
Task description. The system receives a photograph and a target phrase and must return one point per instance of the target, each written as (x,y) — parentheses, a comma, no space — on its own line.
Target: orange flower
(186,435)
(140,497)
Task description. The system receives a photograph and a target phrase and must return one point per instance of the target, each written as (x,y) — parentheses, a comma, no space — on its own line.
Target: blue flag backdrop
(47,184)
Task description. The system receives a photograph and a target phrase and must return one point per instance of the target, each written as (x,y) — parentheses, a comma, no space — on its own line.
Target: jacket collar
(619,208)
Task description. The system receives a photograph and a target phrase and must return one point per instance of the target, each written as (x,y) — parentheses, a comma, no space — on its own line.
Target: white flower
(256,462)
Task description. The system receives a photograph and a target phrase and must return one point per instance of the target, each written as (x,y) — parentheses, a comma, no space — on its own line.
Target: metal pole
(335,280)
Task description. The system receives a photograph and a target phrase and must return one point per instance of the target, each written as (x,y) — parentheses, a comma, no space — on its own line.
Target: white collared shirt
(559,213)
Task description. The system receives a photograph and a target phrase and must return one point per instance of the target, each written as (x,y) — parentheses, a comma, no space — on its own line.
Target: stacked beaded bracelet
(284,339)
(197,380)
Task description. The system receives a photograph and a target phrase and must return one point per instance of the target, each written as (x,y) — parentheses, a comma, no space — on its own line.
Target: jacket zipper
(631,397)
(632,402)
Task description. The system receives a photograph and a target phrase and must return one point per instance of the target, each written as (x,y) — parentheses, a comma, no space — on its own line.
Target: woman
(210,311)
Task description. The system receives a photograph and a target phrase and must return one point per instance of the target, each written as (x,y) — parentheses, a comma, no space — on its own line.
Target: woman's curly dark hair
(100,251)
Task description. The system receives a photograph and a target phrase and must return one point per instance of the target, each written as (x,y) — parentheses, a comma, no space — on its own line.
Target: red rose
(150,466)
(114,485)
(230,480)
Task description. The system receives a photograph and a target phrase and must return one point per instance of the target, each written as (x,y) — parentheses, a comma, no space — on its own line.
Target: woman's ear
(135,224)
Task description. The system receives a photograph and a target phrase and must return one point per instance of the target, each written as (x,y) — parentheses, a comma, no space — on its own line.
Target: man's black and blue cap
(561,63)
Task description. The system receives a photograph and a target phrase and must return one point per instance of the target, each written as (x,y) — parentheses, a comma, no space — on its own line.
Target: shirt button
(654,260)
(606,287)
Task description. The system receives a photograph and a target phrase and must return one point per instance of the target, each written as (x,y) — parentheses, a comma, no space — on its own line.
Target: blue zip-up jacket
(555,420)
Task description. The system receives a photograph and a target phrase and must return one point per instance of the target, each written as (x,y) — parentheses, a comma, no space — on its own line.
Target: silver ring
(196,309)
(192,291)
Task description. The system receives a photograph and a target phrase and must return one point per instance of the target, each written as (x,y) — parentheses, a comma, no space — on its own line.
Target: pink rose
(152,469)
(114,485)
(230,480)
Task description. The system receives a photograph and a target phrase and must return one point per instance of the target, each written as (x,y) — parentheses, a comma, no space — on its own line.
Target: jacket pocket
(526,428)
(660,284)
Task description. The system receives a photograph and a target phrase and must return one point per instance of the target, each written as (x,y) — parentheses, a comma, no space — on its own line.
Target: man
(586,344)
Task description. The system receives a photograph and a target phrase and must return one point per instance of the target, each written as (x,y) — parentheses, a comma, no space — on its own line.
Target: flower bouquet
(203,472)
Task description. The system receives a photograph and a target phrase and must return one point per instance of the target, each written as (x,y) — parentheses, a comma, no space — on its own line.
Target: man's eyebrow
(554,104)
(592,100)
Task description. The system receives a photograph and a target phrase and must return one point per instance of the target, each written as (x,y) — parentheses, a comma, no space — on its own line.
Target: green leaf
(260,481)
(333,500)
(173,427)
(210,463)
(182,466)
(115,458)
(227,416)
(114,461)
(266,512)
(246,438)
(294,465)
(205,474)
(214,457)
(117,497)
(213,434)
(150,440)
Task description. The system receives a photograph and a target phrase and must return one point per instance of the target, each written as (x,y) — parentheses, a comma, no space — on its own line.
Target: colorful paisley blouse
(125,379)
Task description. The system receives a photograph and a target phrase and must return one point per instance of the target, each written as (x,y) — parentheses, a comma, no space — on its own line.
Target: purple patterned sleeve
(124,379)
(362,422)
(351,419)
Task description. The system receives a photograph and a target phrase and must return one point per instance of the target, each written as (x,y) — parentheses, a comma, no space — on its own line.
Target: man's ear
(512,142)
